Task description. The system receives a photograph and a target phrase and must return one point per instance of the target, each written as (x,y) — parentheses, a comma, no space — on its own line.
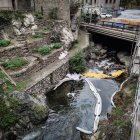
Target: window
(86,1)
(95,1)
(106,1)
(90,2)
(110,1)
(114,1)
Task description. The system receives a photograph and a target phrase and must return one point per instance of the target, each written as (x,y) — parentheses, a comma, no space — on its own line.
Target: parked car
(118,12)
(105,15)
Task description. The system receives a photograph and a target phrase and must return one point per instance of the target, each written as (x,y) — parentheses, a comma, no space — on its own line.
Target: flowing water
(66,113)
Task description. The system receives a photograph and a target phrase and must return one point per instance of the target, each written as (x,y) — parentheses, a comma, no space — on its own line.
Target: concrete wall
(63,7)
(5,4)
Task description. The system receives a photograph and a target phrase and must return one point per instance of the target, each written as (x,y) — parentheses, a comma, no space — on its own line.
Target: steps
(22,39)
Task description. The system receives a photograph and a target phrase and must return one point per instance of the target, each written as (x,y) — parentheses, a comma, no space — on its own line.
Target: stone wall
(17,50)
(35,65)
(62,5)
(47,83)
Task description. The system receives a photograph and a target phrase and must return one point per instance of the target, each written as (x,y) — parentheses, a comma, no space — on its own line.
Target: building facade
(16,4)
(105,5)
(39,6)
(62,5)
(6,4)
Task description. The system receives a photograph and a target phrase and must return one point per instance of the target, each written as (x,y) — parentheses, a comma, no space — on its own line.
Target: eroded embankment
(118,125)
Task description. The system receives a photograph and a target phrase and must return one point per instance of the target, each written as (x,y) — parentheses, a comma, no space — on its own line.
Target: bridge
(110,29)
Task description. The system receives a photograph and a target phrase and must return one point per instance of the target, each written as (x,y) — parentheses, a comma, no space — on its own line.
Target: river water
(66,113)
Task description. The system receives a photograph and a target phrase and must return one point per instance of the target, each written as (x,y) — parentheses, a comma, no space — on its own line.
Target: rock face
(96,51)
(67,37)
(30,111)
(27,26)
(124,58)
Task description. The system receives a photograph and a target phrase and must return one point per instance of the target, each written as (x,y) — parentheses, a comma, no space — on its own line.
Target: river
(66,113)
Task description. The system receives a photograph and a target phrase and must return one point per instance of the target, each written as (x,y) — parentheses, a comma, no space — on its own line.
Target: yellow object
(104,76)
(118,73)
(123,20)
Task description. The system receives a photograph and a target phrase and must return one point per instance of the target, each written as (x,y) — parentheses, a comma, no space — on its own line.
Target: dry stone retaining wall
(36,65)
(17,50)
(47,83)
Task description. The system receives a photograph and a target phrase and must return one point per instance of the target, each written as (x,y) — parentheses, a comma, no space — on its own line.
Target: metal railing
(114,25)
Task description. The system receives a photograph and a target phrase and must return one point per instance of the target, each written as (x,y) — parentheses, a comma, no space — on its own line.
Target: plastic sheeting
(98,107)
(104,76)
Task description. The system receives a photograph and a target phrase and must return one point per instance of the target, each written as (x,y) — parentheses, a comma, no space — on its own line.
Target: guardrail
(120,25)
(115,25)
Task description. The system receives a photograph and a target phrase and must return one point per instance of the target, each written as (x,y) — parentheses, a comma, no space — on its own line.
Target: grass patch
(39,16)
(57,45)
(116,112)
(4,43)
(45,50)
(38,35)
(14,63)
(78,63)
(8,87)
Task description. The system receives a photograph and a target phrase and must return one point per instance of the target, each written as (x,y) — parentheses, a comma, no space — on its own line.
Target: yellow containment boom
(104,76)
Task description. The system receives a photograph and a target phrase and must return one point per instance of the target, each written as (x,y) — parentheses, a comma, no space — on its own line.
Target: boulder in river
(124,58)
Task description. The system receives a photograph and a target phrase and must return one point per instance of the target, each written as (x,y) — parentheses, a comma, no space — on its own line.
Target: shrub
(4,43)
(39,16)
(15,63)
(57,45)
(6,16)
(78,63)
(44,50)
(53,13)
(7,118)
(38,35)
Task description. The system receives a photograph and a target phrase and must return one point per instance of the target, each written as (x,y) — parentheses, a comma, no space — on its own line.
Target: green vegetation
(86,16)
(57,45)
(53,13)
(4,43)
(8,87)
(47,49)
(78,63)
(7,16)
(122,123)
(38,35)
(7,117)
(44,50)
(39,16)
(40,109)
(117,112)
(15,63)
